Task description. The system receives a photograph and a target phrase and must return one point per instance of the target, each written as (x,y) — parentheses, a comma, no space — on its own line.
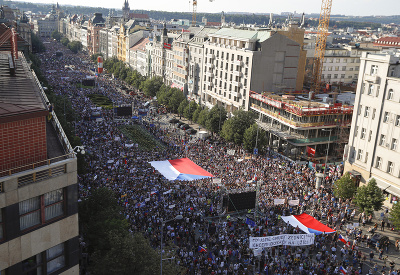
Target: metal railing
(42,175)
(1,187)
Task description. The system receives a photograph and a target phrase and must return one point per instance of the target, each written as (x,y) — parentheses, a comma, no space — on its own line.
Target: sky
(345,7)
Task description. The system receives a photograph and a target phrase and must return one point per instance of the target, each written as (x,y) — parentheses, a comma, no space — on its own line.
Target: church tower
(125,11)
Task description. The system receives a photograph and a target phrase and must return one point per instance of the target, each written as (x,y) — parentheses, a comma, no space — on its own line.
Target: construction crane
(195,12)
(320,44)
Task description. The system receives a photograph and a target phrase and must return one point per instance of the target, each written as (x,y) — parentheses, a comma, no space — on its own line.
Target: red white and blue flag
(180,169)
(307,224)
(343,240)
(343,270)
(202,249)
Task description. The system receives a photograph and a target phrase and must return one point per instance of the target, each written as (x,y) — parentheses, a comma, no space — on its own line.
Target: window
(392,147)
(374,69)
(356,131)
(366,157)
(373,113)
(378,162)
(382,140)
(370,89)
(359,110)
(369,136)
(397,123)
(390,167)
(363,132)
(366,112)
(360,154)
(41,209)
(390,95)
(46,262)
(386,117)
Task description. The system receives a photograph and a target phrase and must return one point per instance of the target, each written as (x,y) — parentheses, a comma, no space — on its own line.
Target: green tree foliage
(75,46)
(250,136)
(369,197)
(65,41)
(216,119)
(234,128)
(152,85)
(93,57)
(196,113)
(56,35)
(395,215)
(112,248)
(176,99)
(190,109)
(164,94)
(344,187)
(182,106)
(203,116)
(37,44)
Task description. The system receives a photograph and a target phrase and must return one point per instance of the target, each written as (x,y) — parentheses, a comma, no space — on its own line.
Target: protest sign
(279,201)
(284,239)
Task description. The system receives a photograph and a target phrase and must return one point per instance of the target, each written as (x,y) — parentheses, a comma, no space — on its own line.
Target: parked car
(185,126)
(191,131)
(179,124)
(173,120)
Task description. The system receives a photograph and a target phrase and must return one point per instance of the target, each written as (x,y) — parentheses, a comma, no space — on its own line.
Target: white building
(373,149)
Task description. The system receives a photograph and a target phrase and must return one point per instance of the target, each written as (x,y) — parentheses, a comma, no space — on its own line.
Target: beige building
(238,61)
(373,149)
(38,181)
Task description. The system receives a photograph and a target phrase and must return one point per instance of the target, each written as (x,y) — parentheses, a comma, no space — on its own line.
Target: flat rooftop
(19,94)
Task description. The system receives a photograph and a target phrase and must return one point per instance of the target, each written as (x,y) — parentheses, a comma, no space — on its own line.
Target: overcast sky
(346,7)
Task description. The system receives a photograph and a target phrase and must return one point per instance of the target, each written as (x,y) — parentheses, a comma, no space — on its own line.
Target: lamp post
(327,151)
(178,217)
(79,149)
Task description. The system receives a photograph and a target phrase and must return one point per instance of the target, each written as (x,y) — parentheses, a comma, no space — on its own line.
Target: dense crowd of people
(148,199)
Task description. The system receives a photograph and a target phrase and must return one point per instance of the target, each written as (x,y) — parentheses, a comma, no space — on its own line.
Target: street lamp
(327,151)
(79,149)
(178,217)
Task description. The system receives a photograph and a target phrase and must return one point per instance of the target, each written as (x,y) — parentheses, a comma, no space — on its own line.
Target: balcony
(239,62)
(372,78)
(211,55)
(209,74)
(235,94)
(236,84)
(237,73)
(210,65)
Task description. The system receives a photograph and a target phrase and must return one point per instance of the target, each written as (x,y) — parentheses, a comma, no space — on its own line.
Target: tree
(190,109)
(196,113)
(250,136)
(182,106)
(75,46)
(37,44)
(56,35)
(65,41)
(203,116)
(369,197)
(151,85)
(176,99)
(216,119)
(234,128)
(93,57)
(344,187)
(395,215)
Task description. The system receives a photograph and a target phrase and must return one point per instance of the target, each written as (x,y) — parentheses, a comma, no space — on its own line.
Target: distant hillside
(238,18)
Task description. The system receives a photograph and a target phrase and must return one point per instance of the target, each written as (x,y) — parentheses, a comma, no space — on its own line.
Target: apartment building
(373,149)
(38,180)
(342,64)
(237,61)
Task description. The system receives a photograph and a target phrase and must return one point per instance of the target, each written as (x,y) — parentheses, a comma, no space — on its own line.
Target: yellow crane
(195,12)
(320,44)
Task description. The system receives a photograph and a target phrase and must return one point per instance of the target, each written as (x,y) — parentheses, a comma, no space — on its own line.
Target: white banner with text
(284,239)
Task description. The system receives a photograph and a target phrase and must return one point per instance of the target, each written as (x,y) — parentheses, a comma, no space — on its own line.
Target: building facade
(38,181)
(373,149)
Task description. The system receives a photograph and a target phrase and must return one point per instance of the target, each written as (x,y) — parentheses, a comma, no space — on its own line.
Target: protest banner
(279,201)
(284,239)
(293,202)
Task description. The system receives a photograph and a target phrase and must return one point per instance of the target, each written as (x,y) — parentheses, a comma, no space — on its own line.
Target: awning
(385,186)
(354,173)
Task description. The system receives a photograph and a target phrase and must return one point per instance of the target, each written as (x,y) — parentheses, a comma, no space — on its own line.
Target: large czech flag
(308,224)
(180,169)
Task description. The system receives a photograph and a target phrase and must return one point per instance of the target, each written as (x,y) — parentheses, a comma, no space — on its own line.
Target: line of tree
(74,46)
(112,248)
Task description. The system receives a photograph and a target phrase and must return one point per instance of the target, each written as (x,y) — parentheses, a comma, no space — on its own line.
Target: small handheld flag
(343,270)
(202,249)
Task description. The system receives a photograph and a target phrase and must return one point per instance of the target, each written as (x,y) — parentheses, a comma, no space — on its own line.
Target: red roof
(141,44)
(393,42)
(214,24)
